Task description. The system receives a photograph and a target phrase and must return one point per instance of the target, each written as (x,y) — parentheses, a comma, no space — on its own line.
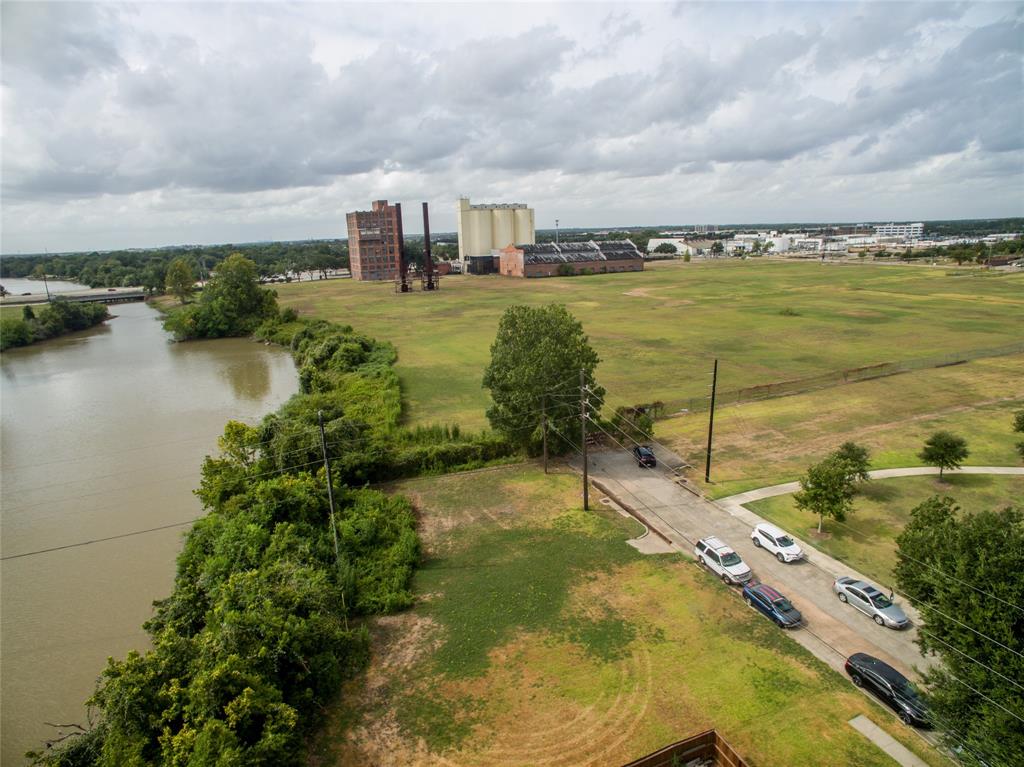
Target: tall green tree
(179,280)
(857,459)
(536,360)
(826,490)
(945,450)
(962,570)
(1018,426)
(232,304)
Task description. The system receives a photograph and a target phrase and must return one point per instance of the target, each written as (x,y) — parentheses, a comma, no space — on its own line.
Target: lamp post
(556,231)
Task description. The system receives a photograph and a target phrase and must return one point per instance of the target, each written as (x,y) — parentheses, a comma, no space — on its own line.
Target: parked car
(890,685)
(767,600)
(644,457)
(721,560)
(870,601)
(772,539)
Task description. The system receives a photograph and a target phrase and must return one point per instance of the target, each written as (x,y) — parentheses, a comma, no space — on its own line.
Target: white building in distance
(483,228)
(905,231)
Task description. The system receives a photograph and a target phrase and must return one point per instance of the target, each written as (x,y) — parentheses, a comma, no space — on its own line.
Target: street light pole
(556,231)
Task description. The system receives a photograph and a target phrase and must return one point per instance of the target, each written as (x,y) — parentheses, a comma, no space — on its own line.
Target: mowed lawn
(867,539)
(540,637)
(757,444)
(657,332)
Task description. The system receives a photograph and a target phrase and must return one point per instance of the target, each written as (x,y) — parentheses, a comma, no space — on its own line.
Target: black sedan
(644,457)
(890,685)
(767,600)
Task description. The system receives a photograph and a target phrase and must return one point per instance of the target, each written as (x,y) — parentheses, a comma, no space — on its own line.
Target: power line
(77,496)
(978,692)
(971,657)
(932,567)
(823,570)
(99,540)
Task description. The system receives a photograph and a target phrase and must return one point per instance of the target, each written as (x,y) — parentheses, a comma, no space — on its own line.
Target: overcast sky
(161,123)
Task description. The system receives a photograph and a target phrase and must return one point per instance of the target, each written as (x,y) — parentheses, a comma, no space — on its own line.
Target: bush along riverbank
(266,618)
(54,319)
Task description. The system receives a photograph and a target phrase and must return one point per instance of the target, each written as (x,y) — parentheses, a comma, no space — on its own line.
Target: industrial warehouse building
(550,259)
(485,228)
(375,241)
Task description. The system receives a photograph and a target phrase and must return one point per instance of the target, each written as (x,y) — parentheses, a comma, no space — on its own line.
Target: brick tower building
(375,241)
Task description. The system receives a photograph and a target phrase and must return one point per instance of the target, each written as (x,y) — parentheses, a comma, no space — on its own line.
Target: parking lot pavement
(832,631)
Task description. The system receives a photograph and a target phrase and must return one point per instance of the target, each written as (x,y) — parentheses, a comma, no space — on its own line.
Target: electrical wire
(99,540)
(812,633)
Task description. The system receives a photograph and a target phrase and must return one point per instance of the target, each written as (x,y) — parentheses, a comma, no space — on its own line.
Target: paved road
(912,471)
(833,631)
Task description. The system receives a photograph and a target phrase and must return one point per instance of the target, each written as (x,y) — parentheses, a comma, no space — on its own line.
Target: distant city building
(906,231)
(705,228)
(550,260)
(375,242)
(681,245)
(483,228)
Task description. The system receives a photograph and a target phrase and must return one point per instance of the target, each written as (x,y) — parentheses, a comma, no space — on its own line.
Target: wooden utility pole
(544,428)
(711,422)
(330,491)
(583,432)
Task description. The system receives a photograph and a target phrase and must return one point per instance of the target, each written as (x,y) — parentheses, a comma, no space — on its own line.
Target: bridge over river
(91,296)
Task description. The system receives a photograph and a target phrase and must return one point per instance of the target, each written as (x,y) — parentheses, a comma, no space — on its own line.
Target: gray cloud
(124,109)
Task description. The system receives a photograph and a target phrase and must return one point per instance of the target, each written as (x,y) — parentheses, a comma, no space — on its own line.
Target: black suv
(644,457)
(889,685)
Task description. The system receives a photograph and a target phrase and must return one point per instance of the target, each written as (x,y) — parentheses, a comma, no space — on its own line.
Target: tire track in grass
(619,721)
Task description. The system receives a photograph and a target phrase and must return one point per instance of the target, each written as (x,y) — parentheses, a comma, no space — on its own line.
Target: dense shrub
(54,319)
(14,332)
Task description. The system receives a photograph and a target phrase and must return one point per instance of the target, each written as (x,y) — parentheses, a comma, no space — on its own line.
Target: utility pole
(583,432)
(711,422)
(556,231)
(330,492)
(544,428)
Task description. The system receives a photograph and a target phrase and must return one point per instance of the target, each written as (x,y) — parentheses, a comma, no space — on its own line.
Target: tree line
(147,268)
(56,318)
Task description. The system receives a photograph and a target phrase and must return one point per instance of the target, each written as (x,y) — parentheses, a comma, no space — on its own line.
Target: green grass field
(658,331)
(540,637)
(774,441)
(866,540)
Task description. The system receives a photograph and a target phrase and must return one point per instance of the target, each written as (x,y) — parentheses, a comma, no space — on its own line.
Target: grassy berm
(539,636)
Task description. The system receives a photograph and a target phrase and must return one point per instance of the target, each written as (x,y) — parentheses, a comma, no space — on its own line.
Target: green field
(540,637)
(881,509)
(658,331)
(773,441)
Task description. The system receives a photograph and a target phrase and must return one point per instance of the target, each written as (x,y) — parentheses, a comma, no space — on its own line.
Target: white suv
(775,541)
(720,559)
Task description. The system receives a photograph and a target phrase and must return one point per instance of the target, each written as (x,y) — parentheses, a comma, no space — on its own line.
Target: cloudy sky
(157,123)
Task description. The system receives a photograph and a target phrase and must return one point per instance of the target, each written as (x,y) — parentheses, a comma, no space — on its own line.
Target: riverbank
(23,326)
(104,433)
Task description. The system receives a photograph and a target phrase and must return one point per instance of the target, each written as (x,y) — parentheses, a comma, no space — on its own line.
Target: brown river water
(102,433)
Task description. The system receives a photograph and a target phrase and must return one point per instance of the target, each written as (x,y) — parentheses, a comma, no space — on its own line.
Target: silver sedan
(870,601)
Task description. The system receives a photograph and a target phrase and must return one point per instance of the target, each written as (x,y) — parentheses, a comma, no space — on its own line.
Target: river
(103,433)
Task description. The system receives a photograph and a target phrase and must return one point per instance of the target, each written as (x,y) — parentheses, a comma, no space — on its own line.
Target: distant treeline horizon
(964,227)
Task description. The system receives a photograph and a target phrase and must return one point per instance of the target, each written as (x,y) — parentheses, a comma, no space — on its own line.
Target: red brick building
(375,241)
(551,260)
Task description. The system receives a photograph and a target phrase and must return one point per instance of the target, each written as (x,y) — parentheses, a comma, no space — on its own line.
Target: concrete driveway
(833,630)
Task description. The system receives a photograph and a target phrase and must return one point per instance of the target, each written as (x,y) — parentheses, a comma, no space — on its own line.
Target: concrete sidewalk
(911,471)
(885,741)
